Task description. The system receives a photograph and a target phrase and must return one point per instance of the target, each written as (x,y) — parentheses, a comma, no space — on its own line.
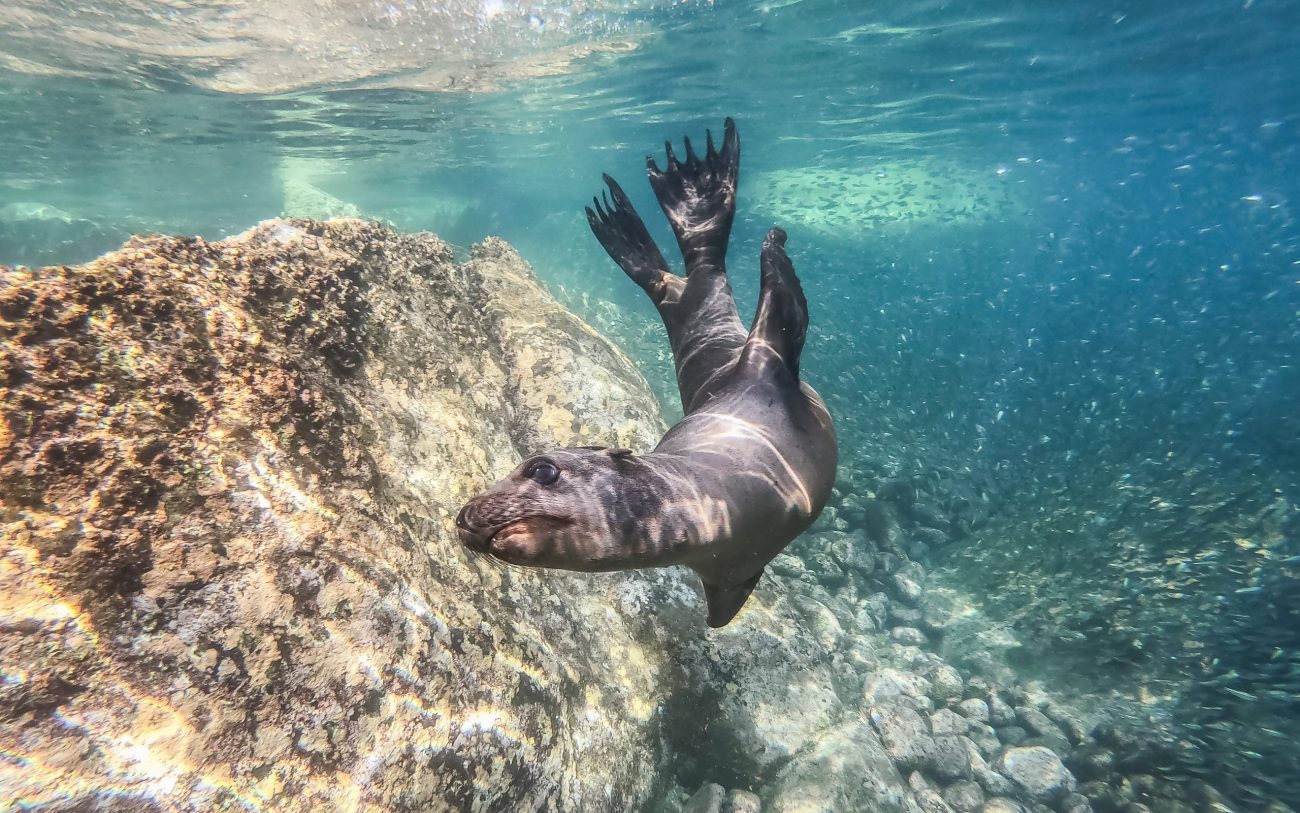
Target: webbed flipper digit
(699,198)
(625,238)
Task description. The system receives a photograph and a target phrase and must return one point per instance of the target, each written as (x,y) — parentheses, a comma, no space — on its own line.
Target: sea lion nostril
(462,519)
(470,536)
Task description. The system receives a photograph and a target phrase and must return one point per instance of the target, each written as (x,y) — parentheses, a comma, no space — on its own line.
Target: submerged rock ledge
(228,573)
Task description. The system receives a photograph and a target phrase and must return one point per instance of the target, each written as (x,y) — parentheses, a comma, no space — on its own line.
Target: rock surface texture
(228,577)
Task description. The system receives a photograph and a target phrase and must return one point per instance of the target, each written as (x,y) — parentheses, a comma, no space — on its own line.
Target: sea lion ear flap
(725,602)
(619,454)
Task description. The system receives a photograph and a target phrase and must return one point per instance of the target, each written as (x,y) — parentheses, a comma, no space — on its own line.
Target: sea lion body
(747,469)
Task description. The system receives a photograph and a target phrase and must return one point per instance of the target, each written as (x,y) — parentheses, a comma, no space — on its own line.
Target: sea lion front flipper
(625,238)
(725,602)
(698,197)
(779,328)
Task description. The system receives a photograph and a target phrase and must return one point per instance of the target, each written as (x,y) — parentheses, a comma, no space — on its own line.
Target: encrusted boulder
(228,571)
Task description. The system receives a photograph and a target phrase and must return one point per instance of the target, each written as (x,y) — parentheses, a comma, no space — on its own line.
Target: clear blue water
(1050,247)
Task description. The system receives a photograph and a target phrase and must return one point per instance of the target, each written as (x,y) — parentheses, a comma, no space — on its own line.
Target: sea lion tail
(782,320)
(698,197)
(625,238)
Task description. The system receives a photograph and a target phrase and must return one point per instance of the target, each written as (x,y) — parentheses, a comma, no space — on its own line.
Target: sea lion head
(565,508)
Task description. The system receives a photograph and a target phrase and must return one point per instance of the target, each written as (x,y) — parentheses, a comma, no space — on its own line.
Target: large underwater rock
(228,575)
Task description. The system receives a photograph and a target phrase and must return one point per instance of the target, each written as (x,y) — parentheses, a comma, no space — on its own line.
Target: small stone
(947,721)
(948,758)
(1038,771)
(708,799)
(946,683)
(1074,729)
(786,565)
(912,570)
(827,570)
(931,802)
(901,615)
(851,553)
(1001,804)
(908,636)
(888,562)
(985,738)
(1000,713)
(1035,722)
(974,709)
(929,516)
(1096,762)
(1012,734)
(904,734)
(742,801)
(993,782)
(876,605)
(935,619)
(1040,725)
(1078,803)
(887,686)
(906,589)
(931,537)
(965,797)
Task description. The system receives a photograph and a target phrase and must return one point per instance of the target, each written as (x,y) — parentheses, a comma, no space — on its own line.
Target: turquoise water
(1051,251)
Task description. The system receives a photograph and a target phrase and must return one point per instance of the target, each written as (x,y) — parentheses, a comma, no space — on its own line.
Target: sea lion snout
(471,535)
(507,522)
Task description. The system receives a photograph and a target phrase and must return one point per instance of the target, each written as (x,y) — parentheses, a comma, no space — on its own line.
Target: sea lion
(747,469)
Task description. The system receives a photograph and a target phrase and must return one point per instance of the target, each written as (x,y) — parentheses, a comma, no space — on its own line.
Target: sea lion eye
(543,472)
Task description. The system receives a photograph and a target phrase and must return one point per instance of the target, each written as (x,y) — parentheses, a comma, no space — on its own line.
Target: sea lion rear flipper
(699,198)
(725,602)
(781,323)
(625,238)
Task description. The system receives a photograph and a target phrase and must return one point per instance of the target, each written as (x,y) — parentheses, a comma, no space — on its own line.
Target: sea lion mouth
(502,531)
(488,539)
(529,525)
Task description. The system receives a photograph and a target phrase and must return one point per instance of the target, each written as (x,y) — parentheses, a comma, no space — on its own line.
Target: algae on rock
(227,571)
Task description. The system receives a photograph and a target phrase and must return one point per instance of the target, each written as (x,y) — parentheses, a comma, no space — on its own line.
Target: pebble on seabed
(1038,771)
(908,636)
